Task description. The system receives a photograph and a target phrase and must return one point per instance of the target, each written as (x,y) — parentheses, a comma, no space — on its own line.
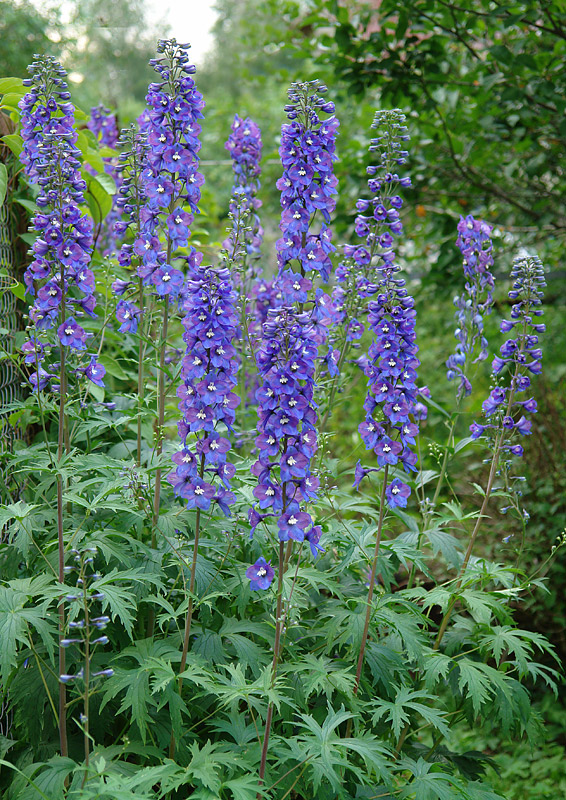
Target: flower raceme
(171,179)
(520,358)
(389,428)
(476,247)
(207,399)
(59,277)
(244,145)
(286,439)
(103,124)
(308,183)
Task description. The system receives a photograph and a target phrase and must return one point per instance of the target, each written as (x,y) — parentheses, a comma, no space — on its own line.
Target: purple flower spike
(170,179)
(391,368)
(260,574)
(475,244)
(505,413)
(58,275)
(207,400)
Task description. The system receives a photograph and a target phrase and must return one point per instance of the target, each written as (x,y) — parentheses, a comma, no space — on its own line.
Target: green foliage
(429,712)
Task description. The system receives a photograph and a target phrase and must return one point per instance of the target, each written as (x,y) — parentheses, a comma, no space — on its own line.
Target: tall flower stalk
(102,123)
(474,242)
(171,181)
(207,401)
(378,223)
(58,277)
(287,417)
(504,415)
(242,247)
(390,428)
(131,201)
(85,638)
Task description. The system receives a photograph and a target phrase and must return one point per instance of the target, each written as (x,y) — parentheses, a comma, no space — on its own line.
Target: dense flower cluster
(244,146)
(171,179)
(520,358)
(307,186)
(207,399)
(389,428)
(475,244)
(287,438)
(59,276)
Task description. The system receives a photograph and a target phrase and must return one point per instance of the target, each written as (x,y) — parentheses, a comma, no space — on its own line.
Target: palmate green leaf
(429,782)
(398,711)
(436,666)
(119,599)
(48,779)
(322,675)
(16,620)
(327,753)
(137,697)
(387,666)
(473,683)
(245,787)
(483,605)
(503,640)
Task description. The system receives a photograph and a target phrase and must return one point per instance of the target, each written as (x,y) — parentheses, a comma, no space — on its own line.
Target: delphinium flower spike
(505,420)
(389,428)
(474,241)
(202,472)
(58,277)
(308,186)
(171,183)
(378,223)
(242,247)
(244,145)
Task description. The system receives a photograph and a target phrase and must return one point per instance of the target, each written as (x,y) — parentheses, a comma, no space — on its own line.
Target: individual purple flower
(503,410)
(127,315)
(260,574)
(397,494)
(95,372)
(475,244)
(361,472)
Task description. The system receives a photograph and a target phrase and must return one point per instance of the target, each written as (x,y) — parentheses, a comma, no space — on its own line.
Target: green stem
(189,617)
(382,502)
(159,445)
(140,373)
(60,534)
(276,651)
